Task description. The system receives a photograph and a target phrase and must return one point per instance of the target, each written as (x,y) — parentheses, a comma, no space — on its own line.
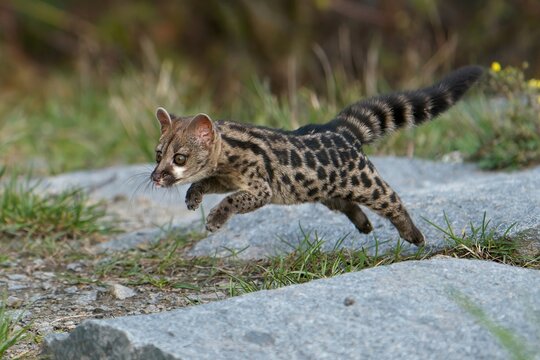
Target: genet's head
(187,151)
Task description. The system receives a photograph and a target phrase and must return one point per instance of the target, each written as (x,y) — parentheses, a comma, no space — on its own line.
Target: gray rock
(71,290)
(44,275)
(46,285)
(430,191)
(17,277)
(13,301)
(529,242)
(15,286)
(122,292)
(409,310)
(75,266)
(86,297)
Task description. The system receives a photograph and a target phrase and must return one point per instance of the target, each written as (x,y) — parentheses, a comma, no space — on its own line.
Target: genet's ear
(164,119)
(202,128)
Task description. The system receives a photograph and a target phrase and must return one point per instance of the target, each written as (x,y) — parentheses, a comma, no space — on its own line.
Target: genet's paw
(365,228)
(414,237)
(216,219)
(193,199)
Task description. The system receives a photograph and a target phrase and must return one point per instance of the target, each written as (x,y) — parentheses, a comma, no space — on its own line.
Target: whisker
(144,183)
(136,177)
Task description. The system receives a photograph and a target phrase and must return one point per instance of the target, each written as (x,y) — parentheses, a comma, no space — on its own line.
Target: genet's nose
(155,176)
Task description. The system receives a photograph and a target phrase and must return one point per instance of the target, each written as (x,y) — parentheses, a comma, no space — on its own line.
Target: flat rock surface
(409,310)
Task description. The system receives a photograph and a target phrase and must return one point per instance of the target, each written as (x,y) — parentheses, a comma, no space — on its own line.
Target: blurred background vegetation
(79,80)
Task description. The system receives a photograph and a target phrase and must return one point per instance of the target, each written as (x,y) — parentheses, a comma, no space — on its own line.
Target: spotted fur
(315,163)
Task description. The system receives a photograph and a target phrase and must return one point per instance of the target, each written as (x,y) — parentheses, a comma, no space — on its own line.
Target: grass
(26,213)
(162,265)
(10,332)
(485,241)
(309,261)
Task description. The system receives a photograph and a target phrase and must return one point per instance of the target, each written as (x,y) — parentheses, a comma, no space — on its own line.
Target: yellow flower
(534,83)
(495,66)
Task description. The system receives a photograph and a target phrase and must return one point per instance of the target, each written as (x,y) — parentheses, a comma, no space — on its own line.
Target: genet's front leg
(240,202)
(195,193)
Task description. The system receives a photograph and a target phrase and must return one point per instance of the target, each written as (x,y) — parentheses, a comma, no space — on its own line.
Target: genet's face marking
(185,151)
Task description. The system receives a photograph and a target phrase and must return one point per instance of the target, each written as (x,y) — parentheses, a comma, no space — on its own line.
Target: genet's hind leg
(377,195)
(352,211)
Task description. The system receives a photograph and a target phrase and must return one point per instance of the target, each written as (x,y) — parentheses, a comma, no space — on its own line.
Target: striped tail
(373,118)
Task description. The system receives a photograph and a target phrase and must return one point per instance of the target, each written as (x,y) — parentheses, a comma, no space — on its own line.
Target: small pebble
(13,302)
(17,277)
(122,292)
(71,290)
(349,301)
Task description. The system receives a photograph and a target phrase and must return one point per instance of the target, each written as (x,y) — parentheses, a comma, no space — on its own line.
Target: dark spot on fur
(296,161)
(334,157)
(361,199)
(312,192)
(312,143)
(285,179)
(322,155)
(338,140)
(327,141)
(332,176)
(344,156)
(321,173)
(366,181)
(282,155)
(310,160)
(362,163)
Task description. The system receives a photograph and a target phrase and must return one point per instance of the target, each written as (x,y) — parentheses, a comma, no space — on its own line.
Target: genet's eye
(158,156)
(180,159)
